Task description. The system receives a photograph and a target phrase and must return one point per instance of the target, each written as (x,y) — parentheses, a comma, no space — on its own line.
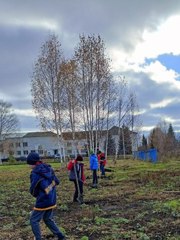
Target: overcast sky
(142,38)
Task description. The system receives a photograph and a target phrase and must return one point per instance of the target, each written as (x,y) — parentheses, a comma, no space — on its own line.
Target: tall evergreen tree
(171,132)
(144,142)
(171,141)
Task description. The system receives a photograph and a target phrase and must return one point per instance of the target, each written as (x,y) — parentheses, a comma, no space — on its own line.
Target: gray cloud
(23,28)
(149,92)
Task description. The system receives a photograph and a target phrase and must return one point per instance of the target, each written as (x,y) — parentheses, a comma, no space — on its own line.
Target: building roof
(40,134)
(12,135)
(66,135)
(82,134)
(114,130)
(78,135)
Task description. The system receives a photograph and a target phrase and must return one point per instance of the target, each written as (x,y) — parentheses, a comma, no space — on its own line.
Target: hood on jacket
(43,170)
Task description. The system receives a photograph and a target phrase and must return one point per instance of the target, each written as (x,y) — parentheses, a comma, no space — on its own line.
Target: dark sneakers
(51,236)
(79,199)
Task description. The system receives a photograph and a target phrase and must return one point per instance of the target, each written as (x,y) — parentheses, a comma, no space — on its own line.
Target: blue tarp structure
(150,155)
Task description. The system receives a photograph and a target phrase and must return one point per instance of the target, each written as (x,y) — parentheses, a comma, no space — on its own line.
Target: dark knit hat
(79,158)
(32,158)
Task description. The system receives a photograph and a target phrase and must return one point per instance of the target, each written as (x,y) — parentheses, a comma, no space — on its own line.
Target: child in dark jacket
(76,174)
(43,187)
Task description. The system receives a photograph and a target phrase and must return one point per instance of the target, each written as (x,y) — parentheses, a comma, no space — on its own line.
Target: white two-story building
(48,145)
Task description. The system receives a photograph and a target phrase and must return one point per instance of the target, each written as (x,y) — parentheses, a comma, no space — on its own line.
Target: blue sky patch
(169,60)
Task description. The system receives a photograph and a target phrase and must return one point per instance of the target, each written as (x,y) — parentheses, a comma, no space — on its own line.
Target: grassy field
(136,200)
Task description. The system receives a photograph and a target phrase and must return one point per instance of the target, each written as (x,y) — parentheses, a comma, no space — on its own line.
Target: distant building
(20,145)
(46,144)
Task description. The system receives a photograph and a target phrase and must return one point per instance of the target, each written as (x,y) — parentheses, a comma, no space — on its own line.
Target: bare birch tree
(47,87)
(109,111)
(8,120)
(8,124)
(71,98)
(93,75)
(135,123)
(122,109)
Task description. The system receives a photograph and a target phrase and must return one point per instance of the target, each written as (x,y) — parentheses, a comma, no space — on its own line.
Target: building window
(40,152)
(19,153)
(25,152)
(69,152)
(69,144)
(62,151)
(25,144)
(18,144)
(55,151)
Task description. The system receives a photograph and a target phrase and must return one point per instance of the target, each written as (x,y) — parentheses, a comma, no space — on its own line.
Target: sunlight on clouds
(169,119)
(165,40)
(142,111)
(147,128)
(162,104)
(14,98)
(160,74)
(164,117)
(38,23)
(119,60)
(25,112)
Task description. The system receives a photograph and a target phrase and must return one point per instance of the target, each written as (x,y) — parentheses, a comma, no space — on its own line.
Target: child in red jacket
(76,174)
(102,163)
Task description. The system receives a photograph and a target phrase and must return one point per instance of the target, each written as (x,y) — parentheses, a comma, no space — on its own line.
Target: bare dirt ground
(134,201)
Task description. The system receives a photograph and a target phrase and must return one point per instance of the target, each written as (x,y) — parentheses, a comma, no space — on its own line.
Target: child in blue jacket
(93,161)
(43,187)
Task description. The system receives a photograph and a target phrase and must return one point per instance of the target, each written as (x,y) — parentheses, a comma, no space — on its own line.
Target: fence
(149,155)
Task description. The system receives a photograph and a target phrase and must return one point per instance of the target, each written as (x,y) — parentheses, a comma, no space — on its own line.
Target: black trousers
(95,178)
(76,189)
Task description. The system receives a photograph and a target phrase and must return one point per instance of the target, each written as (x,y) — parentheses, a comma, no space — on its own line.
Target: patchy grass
(136,200)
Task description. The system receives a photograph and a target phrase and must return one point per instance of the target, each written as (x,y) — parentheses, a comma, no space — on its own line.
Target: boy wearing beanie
(43,187)
(76,175)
